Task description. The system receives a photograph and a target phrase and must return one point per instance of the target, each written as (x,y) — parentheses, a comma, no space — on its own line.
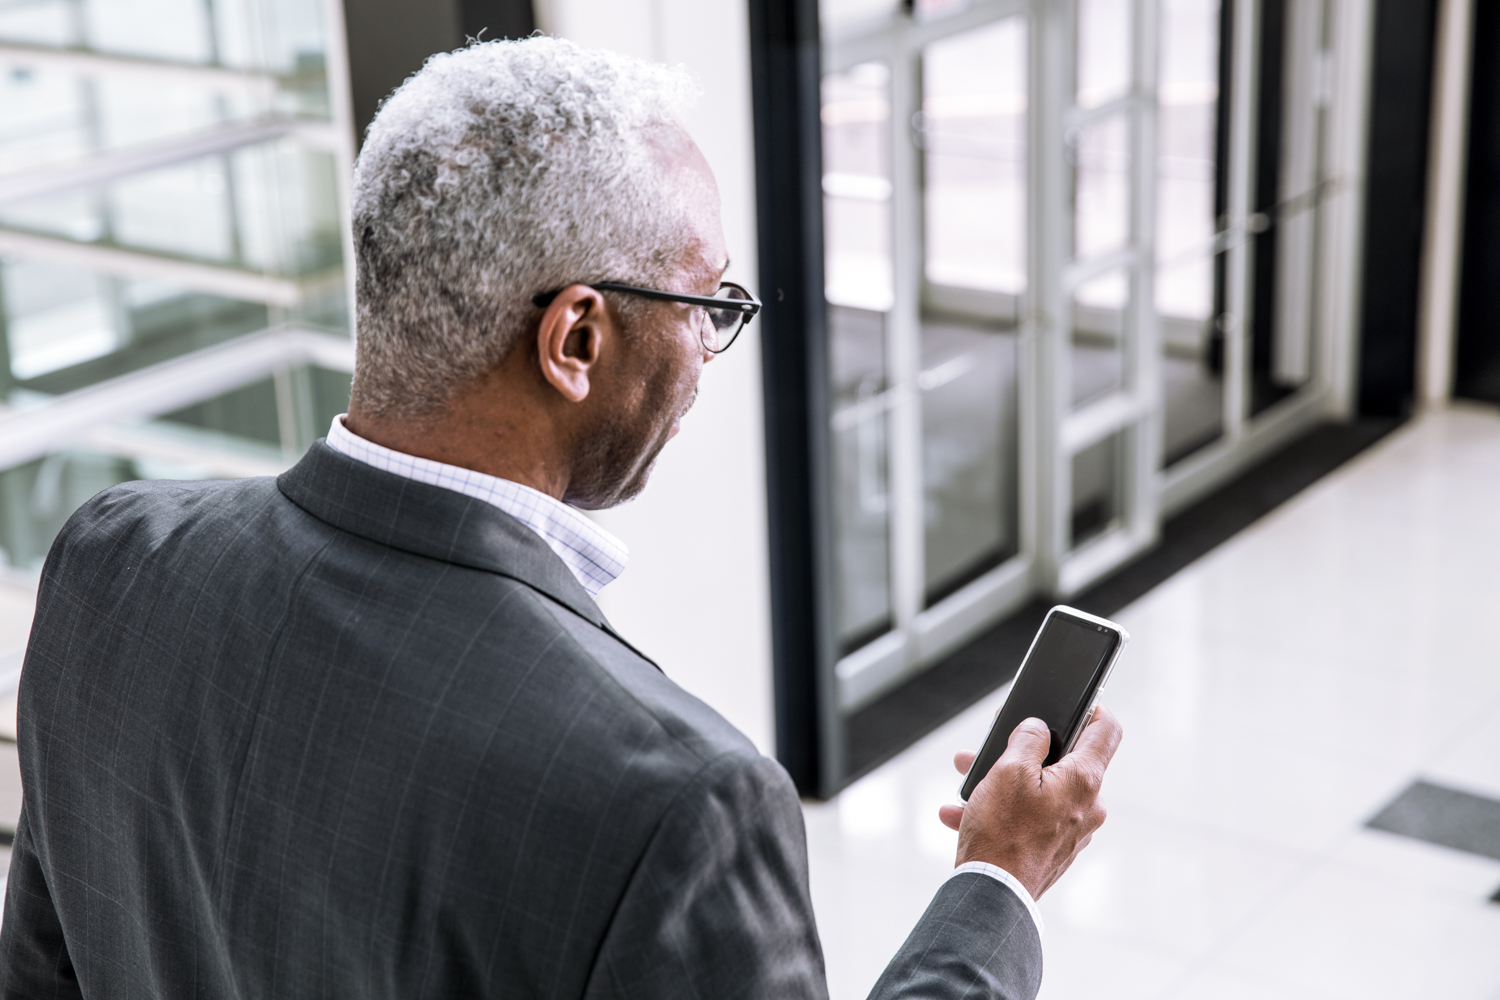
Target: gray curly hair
(498,171)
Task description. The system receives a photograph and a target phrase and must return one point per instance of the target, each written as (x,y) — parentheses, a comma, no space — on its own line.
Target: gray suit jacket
(341,734)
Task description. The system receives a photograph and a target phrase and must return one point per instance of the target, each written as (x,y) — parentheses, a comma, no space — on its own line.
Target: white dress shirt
(592,554)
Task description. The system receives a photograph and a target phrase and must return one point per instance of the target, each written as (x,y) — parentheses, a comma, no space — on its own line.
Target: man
(361,731)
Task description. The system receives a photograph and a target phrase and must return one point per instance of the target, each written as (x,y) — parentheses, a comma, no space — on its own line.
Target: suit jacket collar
(431,521)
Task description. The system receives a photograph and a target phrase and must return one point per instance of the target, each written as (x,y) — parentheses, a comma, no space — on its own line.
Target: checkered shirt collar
(592,554)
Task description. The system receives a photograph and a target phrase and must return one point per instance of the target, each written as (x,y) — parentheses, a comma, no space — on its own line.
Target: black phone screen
(1056,684)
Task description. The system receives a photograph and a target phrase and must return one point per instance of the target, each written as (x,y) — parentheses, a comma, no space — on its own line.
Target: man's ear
(575,331)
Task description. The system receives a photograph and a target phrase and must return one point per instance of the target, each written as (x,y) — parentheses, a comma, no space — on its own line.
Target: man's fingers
(1100,739)
(951,816)
(1028,744)
(963,760)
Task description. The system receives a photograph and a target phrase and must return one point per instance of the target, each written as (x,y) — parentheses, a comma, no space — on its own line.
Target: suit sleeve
(34,962)
(719,907)
(976,940)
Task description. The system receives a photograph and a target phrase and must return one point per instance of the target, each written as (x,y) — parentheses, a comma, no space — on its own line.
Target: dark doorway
(390,39)
(1395,203)
(1477,360)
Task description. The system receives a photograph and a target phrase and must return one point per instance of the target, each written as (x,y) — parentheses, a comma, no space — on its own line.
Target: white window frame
(1050,435)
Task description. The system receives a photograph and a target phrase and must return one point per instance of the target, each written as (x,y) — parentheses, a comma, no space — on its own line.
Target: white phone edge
(1025,660)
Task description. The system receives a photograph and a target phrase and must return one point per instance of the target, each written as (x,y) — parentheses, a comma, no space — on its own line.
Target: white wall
(695,595)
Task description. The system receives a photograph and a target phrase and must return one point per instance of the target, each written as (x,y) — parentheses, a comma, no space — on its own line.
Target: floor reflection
(1277,695)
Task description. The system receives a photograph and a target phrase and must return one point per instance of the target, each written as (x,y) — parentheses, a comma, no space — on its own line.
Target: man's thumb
(1028,743)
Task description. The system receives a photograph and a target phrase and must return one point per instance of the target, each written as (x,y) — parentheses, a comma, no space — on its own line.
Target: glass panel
(1100,154)
(251,414)
(37,498)
(177,30)
(973,135)
(126,112)
(182,210)
(286,210)
(1098,497)
(969,464)
(1187,212)
(1105,37)
(41,23)
(276,36)
(837,14)
(859,285)
(56,317)
(66,328)
(235,434)
(857,187)
(1100,335)
(861,491)
(973,131)
(271,207)
(280,36)
(48,117)
(42,120)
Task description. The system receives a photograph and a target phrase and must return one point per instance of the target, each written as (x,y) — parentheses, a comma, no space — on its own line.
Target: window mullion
(1237,317)
(1049,310)
(1144,354)
(903,340)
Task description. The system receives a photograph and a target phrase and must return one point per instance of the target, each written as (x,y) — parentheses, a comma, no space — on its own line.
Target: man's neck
(503,445)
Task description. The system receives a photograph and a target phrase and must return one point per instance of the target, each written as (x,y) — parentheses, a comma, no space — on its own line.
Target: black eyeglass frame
(746,307)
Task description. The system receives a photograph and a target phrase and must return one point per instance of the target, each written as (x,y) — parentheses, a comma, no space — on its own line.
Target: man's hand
(1033,820)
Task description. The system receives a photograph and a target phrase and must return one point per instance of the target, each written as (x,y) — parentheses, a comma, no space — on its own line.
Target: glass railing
(173,292)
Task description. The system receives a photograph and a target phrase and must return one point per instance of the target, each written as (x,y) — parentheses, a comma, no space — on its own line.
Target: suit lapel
(431,521)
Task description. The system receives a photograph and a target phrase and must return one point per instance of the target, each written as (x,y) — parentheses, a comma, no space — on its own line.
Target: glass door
(925,177)
(988,271)
(1083,262)
(1261,104)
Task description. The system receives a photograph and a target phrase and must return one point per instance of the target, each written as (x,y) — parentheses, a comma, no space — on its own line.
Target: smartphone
(1059,681)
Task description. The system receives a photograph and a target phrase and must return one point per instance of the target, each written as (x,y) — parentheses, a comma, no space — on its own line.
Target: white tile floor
(1275,695)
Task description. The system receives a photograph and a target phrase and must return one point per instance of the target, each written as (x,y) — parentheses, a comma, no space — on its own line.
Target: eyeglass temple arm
(749,306)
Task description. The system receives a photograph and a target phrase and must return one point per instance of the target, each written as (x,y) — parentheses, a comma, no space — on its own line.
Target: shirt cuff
(1008,880)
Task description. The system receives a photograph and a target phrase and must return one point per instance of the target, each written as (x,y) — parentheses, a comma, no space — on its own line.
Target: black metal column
(1395,204)
(1476,369)
(784,59)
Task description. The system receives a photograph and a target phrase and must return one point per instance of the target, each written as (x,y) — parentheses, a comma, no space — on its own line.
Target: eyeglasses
(728,310)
